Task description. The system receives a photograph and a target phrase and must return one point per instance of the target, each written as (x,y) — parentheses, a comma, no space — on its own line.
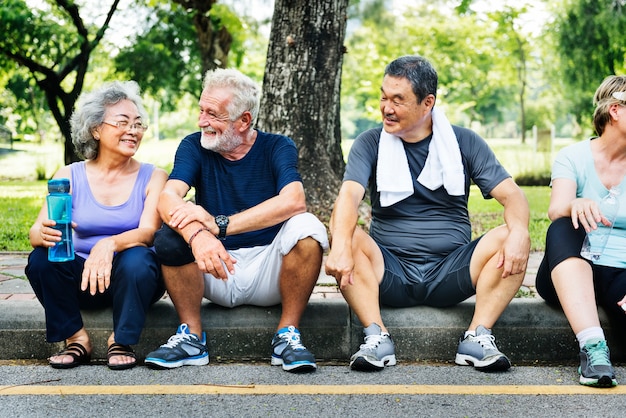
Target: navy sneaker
(288,351)
(481,352)
(182,349)
(595,365)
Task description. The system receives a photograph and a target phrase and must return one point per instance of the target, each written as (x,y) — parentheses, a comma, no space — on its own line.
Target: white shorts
(257,271)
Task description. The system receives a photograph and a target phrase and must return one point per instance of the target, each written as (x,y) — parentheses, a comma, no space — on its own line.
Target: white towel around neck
(443,166)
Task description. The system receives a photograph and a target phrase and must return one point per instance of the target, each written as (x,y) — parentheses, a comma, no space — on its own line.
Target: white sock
(592,333)
(472,333)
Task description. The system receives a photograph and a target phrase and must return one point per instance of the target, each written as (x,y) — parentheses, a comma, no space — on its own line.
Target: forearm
(516,212)
(344,218)
(139,237)
(264,215)
(289,202)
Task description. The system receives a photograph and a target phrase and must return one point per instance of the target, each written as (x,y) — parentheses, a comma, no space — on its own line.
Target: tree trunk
(214,42)
(301,91)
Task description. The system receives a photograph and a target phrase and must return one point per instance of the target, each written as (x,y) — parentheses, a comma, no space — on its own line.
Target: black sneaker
(182,349)
(288,351)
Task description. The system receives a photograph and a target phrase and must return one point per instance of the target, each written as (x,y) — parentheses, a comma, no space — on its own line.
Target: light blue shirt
(575,162)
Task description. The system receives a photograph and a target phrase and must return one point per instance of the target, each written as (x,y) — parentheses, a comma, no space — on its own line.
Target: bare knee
(306,249)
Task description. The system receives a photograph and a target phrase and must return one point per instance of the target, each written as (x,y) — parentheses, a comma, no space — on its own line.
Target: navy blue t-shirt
(225,187)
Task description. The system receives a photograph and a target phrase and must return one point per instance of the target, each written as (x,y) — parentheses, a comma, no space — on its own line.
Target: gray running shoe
(288,351)
(595,365)
(377,352)
(182,349)
(481,352)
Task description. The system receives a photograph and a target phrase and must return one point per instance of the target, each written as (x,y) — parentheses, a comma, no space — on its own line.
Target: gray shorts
(433,282)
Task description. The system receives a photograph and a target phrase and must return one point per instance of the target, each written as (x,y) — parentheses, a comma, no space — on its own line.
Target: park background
(520,73)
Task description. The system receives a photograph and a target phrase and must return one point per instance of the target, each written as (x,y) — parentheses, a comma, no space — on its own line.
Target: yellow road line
(213,389)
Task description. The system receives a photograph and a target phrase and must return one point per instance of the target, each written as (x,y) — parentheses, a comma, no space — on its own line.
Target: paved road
(236,390)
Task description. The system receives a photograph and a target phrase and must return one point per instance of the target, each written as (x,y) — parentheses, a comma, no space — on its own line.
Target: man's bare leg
(298,276)
(185,286)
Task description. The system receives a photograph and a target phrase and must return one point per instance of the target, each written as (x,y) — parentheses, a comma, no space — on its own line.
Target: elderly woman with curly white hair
(114,217)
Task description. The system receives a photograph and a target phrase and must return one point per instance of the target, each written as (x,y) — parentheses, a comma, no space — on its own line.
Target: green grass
(20,203)
(487,214)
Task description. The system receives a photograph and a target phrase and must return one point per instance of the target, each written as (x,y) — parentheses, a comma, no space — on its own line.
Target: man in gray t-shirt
(419,249)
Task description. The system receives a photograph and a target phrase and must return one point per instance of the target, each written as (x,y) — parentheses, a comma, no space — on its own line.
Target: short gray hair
(246,93)
(418,71)
(90,110)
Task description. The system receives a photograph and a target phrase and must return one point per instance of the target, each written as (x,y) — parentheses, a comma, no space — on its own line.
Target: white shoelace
(486,341)
(372,341)
(293,339)
(175,339)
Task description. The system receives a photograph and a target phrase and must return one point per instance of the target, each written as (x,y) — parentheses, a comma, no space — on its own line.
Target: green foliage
(475,56)
(42,35)
(52,42)
(590,41)
(166,59)
(29,101)
(540,114)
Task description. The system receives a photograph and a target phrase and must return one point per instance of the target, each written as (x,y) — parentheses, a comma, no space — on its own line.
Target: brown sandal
(77,351)
(116,349)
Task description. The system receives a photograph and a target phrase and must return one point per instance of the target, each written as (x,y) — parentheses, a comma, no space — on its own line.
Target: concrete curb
(529,331)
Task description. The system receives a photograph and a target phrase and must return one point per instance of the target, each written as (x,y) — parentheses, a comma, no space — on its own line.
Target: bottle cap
(59,186)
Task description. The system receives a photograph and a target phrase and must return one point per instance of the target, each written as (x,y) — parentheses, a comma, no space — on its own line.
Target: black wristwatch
(222,223)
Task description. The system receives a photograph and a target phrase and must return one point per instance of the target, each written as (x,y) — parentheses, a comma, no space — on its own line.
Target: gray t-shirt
(428,224)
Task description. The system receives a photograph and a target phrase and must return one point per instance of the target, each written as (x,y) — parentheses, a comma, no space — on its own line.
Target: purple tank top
(96,221)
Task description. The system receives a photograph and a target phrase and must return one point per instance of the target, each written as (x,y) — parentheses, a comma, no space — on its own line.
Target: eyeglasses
(126,126)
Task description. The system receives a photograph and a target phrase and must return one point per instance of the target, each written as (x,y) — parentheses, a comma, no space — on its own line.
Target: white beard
(225,142)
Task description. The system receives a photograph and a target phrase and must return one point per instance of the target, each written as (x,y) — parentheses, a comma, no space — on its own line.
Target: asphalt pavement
(236,390)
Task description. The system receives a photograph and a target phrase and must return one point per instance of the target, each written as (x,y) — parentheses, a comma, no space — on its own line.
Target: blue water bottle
(60,210)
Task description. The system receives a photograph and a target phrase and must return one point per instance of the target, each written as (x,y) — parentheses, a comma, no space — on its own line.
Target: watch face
(222,222)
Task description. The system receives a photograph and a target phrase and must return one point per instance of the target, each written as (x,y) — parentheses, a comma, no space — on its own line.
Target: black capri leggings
(563,242)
